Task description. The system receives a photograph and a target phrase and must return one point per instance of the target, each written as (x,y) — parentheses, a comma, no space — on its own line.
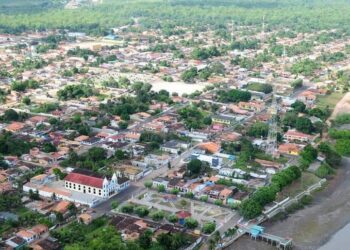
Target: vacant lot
(329,100)
(298,186)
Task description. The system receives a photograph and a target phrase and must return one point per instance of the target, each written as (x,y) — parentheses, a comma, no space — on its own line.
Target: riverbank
(313,226)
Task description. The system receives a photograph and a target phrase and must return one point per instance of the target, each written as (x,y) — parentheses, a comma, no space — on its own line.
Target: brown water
(313,226)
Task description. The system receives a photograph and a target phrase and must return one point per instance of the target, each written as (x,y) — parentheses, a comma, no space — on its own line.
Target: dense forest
(28,6)
(299,15)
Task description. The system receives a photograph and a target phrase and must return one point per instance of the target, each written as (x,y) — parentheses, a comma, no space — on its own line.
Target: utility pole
(273,127)
(231,31)
(263,28)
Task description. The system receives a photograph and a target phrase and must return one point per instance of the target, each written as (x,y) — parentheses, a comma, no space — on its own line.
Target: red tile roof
(183,214)
(84,180)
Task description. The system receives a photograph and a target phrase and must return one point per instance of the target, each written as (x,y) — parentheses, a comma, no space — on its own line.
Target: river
(339,241)
(323,225)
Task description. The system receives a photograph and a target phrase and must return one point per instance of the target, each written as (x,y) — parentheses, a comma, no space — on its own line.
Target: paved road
(105,207)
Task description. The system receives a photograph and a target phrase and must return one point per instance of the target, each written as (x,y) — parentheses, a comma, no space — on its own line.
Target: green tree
(161,188)
(97,154)
(209,227)
(26,100)
(49,147)
(59,174)
(123,125)
(157,215)
(148,184)
(189,75)
(191,223)
(309,153)
(172,218)
(299,106)
(304,125)
(194,166)
(259,129)
(141,211)
(250,209)
(128,208)
(114,204)
(145,239)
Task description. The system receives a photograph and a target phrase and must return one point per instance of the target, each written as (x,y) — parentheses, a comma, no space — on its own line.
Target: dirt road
(343,106)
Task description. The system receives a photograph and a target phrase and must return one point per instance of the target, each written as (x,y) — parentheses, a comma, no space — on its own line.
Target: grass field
(329,100)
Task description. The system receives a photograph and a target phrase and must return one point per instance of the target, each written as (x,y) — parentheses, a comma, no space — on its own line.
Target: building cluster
(148,139)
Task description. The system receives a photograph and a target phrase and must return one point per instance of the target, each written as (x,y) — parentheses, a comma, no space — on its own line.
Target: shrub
(128,209)
(157,216)
(209,227)
(141,211)
(191,223)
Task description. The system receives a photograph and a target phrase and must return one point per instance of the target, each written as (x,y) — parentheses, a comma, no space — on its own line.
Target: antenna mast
(271,147)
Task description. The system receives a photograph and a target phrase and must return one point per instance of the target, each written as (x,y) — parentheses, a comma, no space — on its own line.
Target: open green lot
(298,186)
(329,100)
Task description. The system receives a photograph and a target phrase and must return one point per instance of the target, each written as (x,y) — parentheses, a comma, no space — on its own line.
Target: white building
(88,182)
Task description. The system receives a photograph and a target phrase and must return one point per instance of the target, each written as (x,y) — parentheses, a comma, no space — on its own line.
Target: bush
(172,218)
(209,227)
(342,147)
(306,200)
(204,198)
(174,191)
(191,223)
(114,204)
(128,209)
(189,195)
(161,188)
(324,170)
(218,202)
(141,211)
(157,216)
(148,184)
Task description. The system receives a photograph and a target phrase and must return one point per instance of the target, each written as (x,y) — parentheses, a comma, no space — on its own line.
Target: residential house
(308,98)
(85,218)
(256,106)
(289,149)
(213,160)
(160,181)
(270,166)
(224,119)
(15,243)
(48,243)
(27,235)
(225,194)
(157,161)
(140,116)
(210,147)
(293,135)
(131,172)
(15,127)
(132,137)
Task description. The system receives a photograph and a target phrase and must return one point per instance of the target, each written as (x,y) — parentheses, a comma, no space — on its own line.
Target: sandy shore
(314,225)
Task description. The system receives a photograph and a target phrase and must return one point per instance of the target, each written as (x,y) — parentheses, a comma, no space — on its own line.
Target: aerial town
(141,139)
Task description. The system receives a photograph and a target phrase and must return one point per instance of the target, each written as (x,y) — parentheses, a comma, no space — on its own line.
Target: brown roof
(25,234)
(15,126)
(39,229)
(211,147)
(61,207)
